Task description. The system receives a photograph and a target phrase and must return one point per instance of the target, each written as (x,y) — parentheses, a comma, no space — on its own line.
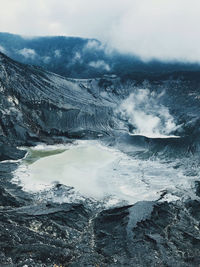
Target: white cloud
(27,53)
(164,29)
(99,64)
(46,59)
(57,53)
(77,57)
(94,44)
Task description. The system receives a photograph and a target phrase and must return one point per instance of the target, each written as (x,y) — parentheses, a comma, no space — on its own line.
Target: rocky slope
(36,105)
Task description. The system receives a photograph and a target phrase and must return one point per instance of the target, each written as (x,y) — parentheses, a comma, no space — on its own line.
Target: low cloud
(57,53)
(98,46)
(27,53)
(151,29)
(46,59)
(77,58)
(94,44)
(99,64)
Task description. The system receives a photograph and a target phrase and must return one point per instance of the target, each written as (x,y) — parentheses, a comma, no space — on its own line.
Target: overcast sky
(164,29)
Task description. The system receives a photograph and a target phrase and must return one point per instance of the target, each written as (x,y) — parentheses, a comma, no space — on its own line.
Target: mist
(151,29)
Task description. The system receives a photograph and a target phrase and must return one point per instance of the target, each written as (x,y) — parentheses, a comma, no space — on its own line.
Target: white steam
(146,115)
